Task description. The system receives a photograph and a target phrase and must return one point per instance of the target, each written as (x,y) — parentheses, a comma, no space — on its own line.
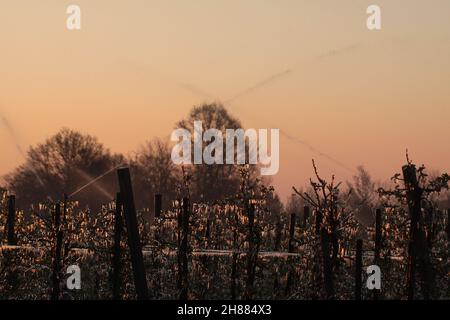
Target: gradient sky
(138,66)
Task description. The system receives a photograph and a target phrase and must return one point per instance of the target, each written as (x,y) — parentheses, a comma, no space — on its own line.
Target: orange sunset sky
(138,66)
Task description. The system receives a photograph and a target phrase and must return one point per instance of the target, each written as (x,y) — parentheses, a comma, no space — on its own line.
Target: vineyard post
(252,254)
(358,269)
(206,261)
(413,194)
(8,255)
(278,233)
(448,246)
(378,236)
(448,224)
(419,251)
(317,265)
(322,233)
(235,255)
(378,241)
(134,242)
(306,214)
(277,246)
(64,213)
(58,252)
(183,252)
(233,276)
(290,250)
(327,264)
(117,263)
(158,205)
(179,253)
(208,233)
(319,218)
(11,220)
(292,233)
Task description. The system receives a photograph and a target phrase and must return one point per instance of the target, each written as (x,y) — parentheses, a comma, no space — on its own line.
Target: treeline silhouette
(67,161)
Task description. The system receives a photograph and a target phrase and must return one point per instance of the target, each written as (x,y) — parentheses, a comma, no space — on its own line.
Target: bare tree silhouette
(61,164)
(154,173)
(216,182)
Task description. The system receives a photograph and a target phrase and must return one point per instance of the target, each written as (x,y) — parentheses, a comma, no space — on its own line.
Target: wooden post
(292,233)
(322,266)
(411,184)
(326,259)
(185,248)
(117,259)
(278,233)
(319,218)
(158,205)
(179,239)
(378,242)
(235,256)
(306,214)
(418,249)
(183,252)
(277,248)
(57,253)
(378,236)
(448,224)
(252,254)
(327,264)
(9,256)
(11,221)
(358,269)
(290,250)
(448,246)
(64,213)
(65,245)
(208,233)
(134,241)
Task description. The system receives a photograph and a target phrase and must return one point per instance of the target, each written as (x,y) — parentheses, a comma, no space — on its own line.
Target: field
(238,248)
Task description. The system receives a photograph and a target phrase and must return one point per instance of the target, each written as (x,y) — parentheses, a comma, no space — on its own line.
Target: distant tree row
(67,161)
